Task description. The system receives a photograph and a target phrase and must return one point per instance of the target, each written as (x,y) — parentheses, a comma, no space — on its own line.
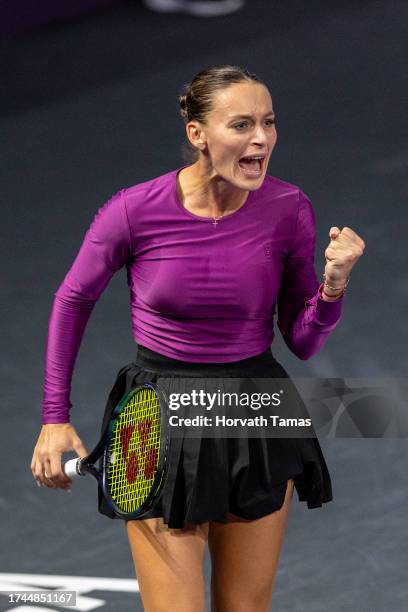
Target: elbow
(304,352)
(303,355)
(70,297)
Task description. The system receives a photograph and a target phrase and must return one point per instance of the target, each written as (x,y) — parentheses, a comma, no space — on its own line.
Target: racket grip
(71,468)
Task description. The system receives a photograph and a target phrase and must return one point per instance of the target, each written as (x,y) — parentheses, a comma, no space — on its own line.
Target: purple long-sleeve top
(199,292)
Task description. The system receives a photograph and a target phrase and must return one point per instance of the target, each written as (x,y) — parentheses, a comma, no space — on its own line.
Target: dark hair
(196,98)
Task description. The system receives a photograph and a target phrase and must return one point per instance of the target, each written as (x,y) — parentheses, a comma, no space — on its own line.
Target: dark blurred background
(89,106)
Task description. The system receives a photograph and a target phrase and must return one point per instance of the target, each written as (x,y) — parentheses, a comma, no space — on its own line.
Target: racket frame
(87,464)
(161,472)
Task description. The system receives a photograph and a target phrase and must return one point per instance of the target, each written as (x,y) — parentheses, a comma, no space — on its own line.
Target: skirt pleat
(210,477)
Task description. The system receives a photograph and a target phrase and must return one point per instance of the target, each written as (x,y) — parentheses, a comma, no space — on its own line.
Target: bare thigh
(245,556)
(169,564)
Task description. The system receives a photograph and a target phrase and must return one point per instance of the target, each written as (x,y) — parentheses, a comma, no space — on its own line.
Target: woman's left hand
(343,252)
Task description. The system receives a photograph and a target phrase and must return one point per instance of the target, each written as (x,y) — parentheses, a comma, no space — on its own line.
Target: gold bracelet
(335,288)
(334,297)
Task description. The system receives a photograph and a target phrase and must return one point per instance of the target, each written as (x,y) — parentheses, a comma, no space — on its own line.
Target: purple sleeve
(304,318)
(105,249)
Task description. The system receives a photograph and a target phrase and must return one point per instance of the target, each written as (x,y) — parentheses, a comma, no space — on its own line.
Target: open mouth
(252,165)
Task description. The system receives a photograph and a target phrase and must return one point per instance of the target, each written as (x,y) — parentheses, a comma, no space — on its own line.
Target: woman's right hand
(55,439)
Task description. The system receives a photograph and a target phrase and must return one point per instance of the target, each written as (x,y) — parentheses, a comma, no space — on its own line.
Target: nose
(259,136)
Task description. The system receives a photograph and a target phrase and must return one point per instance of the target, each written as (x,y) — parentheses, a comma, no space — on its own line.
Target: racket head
(136,448)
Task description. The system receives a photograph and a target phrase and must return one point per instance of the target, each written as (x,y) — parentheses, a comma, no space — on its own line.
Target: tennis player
(211,249)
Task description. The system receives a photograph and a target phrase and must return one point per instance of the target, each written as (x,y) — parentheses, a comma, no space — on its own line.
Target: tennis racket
(133,452)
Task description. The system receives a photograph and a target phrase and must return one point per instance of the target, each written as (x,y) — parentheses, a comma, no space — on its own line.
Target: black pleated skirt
(211,477)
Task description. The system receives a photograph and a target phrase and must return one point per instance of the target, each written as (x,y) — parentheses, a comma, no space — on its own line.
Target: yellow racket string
(134,451)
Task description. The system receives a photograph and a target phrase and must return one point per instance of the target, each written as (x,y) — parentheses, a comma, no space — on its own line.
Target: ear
(196,135)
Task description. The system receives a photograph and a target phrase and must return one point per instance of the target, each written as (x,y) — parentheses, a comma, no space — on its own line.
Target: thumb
(334,232)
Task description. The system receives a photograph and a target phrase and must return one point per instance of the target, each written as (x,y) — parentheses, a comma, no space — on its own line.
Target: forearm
(66,328)
(306,333)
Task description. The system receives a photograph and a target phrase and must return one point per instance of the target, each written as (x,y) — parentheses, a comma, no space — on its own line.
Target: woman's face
(241,124)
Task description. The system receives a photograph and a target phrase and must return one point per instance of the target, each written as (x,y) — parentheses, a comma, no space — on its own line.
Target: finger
(47,475)
(334,232)
(347,232)
(58,477)
(39,471)
(36,470)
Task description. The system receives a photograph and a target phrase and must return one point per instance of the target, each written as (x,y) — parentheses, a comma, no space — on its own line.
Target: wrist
(332,293)
(331,298)
(60,424)
(329,295)
(335,285)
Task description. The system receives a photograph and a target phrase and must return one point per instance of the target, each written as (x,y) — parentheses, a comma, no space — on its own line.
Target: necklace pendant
(215,221)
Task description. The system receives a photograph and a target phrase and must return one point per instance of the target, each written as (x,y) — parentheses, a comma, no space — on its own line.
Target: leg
(168,564)
(245,557)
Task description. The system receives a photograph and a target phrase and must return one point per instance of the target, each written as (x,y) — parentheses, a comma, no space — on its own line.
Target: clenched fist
(343,252)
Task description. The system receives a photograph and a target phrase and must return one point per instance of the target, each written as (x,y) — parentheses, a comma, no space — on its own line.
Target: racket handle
(71,468)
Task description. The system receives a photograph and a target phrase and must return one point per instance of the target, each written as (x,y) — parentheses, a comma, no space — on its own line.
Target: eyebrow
(249,116)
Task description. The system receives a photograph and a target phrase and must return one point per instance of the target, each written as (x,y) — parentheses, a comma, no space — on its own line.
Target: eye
(237,125)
